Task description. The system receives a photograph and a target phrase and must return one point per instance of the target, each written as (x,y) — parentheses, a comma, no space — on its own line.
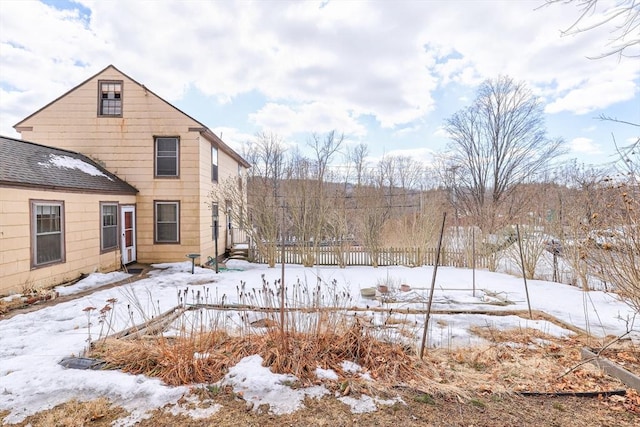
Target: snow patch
(92,281)
(366,403)
(326,374)
(73,163)
(259,386)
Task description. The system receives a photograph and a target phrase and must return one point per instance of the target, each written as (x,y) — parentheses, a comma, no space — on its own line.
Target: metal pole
(433,286)
(215,234)
(524,275)
(473,258)
(282,287)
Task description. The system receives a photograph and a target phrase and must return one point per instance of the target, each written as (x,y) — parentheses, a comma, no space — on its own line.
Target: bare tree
(266,153)
(622,18)
(410,173)
(373,211)
(614,251)
(307,200)
(358,156)
(497,143)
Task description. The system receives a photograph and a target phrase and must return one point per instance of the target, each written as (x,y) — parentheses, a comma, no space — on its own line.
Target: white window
(166,157)
(167,222)
(47,236)
(108,226)
(214,164)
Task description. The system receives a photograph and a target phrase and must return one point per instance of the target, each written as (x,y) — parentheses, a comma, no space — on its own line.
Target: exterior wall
(125,146)
(81,233)
(227,168)
(206,186)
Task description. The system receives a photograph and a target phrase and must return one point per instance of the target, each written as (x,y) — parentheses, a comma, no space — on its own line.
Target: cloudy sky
(386,73)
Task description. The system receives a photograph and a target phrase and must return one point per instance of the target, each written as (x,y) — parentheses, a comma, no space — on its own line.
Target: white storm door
(128,234)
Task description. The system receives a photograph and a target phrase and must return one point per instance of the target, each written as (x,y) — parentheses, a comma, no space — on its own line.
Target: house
(173,160)
(59,216)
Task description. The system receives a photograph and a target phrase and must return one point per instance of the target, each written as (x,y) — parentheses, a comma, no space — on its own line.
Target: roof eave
(208,134)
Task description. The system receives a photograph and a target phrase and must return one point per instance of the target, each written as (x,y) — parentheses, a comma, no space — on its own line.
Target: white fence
(359,255)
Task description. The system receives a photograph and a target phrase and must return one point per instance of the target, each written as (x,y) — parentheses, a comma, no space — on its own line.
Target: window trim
(155,221)
(102,226)
(33,235)
(214,165)
(155,157)
(100,83)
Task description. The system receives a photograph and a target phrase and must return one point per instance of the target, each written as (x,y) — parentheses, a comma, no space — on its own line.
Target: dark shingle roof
(27,164)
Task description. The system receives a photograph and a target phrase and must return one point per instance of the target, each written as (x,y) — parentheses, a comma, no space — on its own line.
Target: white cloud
(233,137)
(408,130)
(318,117)
(441,132)
(597,94)
(318,68)
(585,146)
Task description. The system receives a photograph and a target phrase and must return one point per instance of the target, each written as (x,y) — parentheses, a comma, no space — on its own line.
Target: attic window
(110,98)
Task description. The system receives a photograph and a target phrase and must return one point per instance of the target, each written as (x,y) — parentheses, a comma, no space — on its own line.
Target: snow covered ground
(32,344)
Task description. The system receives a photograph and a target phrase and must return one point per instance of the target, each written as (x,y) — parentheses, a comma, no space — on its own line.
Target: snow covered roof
(27,164)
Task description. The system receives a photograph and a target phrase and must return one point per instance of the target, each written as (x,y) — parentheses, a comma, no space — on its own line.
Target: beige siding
(206,186)
(82,239)
(227,168)
(125,146)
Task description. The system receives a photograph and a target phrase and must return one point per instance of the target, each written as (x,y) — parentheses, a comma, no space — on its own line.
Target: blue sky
(383,73)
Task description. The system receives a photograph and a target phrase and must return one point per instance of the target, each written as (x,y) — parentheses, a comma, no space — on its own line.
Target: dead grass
(481,383)
(98,413)
(206,357)
(495,411)
(521,360)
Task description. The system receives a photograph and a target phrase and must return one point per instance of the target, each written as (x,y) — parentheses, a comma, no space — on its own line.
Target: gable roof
(204,130)
(27,164)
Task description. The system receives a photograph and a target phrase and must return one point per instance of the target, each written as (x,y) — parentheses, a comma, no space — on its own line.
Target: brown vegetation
(206,357)
(475,386)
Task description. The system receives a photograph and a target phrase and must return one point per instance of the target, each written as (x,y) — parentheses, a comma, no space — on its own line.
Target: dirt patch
(415,410)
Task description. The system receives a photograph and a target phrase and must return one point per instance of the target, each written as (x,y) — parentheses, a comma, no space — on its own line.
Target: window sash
(111,99)
(214,164)
(47,239)
(167,222)
(109,226)
(166,156)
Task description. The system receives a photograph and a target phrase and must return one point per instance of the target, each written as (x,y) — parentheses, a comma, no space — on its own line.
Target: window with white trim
(108,226)
(167,156)
(167,222)
(47,235)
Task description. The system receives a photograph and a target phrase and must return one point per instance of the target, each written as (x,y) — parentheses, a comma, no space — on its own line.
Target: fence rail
(359,255)
(237,236)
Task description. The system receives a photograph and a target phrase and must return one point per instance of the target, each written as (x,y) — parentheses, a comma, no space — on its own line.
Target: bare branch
(623,17)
